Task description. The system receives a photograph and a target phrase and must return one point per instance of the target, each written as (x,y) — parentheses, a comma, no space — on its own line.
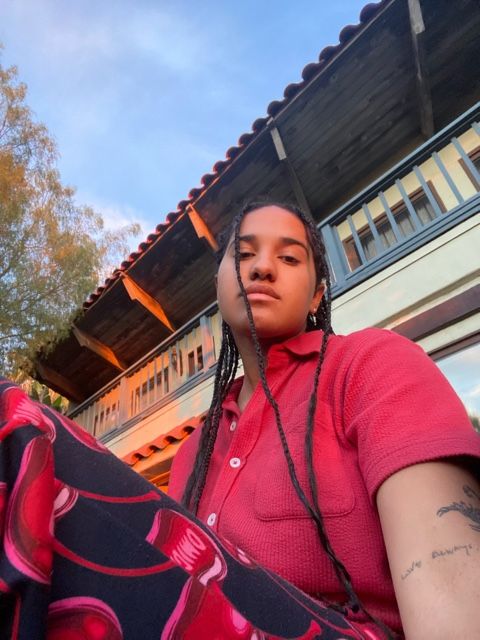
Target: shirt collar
(303,345)
(306,344)
(230,402)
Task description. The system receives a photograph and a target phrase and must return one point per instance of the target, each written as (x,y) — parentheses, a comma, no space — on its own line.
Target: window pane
(424,209)
(404,222)
(368,244)
(386,234)
(463,372)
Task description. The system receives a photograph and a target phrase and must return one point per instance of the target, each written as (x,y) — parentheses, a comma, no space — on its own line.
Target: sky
(144,96)
(461,369)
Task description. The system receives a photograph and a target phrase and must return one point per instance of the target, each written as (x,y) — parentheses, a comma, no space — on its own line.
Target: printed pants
(92,551)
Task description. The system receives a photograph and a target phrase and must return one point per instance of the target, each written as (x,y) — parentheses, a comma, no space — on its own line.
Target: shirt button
(235,462)
(233,425)
(211,519)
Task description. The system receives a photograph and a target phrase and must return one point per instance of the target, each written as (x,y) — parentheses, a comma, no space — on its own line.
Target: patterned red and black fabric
(92,551)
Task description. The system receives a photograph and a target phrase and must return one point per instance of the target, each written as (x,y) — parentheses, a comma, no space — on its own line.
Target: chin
(267,326)
(276,333)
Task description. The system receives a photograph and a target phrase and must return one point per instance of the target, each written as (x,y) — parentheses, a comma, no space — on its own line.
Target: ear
(317,297)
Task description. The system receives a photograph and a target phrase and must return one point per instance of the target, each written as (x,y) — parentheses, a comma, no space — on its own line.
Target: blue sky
(144,96)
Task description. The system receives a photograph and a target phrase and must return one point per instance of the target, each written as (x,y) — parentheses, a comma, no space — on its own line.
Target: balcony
(430,191)
(182,360)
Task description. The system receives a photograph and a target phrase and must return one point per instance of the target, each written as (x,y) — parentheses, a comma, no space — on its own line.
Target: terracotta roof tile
(176,434)
(309,72)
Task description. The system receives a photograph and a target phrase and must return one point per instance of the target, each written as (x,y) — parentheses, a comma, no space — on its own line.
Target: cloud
(169,39)
(95,34)
(474,393)
(117,215)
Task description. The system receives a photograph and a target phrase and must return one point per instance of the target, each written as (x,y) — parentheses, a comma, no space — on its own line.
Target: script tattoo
(416,564)
(467,510)
(450,551)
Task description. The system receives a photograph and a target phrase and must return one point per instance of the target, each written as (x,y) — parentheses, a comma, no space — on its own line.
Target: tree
(53,251)
(40,392)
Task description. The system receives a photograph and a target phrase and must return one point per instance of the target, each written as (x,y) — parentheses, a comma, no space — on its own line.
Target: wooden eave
(351,123)
(169,274)
(360,115)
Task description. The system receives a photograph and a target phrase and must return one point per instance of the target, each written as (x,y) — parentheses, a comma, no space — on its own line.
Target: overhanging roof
(353,115)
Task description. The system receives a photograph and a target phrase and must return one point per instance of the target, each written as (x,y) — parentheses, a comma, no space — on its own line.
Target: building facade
(380,141)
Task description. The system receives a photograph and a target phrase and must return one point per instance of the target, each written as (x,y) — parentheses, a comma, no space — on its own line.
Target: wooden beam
(98,347)
(292,175)
(441,315)
(417,28)
(201,228)
(136,292)
(59,383)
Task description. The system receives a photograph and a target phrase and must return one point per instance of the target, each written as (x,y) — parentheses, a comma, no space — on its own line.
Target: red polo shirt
(382,405)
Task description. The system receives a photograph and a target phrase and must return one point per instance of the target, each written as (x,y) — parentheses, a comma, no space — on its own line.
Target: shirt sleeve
(400,410)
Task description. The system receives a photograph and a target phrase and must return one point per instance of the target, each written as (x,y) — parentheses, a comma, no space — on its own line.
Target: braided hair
(227,365)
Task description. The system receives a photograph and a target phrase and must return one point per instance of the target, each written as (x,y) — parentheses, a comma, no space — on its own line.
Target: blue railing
(429,191)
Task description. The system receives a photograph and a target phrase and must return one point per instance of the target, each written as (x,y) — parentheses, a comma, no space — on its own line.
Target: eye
(243,255)
(290,260)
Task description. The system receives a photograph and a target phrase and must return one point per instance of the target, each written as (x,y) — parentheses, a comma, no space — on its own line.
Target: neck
(251,370)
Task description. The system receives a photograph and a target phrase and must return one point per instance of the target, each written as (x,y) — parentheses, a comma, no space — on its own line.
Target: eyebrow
(284,241)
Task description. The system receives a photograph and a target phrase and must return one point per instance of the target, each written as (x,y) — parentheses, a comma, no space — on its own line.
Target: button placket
(241,442)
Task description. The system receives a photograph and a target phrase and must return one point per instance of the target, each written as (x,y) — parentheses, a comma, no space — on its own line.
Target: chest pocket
(275,496)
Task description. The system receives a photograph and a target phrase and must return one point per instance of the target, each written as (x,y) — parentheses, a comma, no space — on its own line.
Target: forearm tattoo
(471,512)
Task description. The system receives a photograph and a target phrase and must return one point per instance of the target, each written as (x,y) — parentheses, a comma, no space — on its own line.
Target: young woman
(345,464)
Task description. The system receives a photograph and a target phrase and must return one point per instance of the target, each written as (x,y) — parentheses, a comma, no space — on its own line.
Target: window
(191,363)
(195,361)
(424,210)
(462,368)
(475,158)
(199,358)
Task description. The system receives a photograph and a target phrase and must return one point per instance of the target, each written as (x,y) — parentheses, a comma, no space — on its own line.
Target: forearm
(430,517)
(445,580)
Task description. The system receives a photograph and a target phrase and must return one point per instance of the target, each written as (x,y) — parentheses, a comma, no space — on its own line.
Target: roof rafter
(57,382)
(201,228)
(136,292)
(417,28)
(292,174)
(98,347)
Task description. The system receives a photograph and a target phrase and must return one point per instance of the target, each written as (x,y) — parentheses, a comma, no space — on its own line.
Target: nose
(263,268)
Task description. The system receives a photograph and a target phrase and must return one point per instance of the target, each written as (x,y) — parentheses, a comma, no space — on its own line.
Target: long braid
(226,370)
(323,315)
(313,510)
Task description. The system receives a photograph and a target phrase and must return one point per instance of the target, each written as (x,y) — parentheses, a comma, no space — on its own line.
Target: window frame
(474,155)
(348,244)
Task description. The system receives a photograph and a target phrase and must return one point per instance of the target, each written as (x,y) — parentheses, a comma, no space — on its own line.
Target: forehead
(271,222)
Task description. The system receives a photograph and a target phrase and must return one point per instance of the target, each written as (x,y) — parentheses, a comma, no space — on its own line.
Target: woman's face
(277,271)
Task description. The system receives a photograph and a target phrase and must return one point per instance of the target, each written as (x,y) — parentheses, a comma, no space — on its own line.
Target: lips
(263,289)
